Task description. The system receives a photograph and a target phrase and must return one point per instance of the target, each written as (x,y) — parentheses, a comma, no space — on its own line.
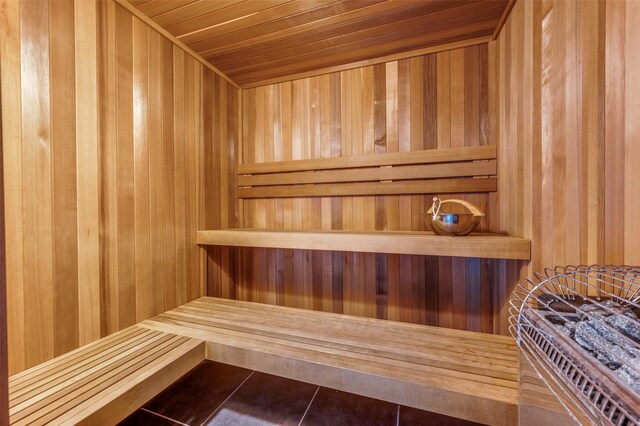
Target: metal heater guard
(577,326)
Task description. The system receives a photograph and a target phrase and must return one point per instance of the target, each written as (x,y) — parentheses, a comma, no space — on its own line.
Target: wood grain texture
(402,109)
(102,382)
(256,41)
(87,169)
(101,117)
(565,83)
(424,243)
(4,363)
(11,76)
(453,372)
(537,405)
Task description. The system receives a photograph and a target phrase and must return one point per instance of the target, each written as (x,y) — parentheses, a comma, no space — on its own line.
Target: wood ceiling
(257,40)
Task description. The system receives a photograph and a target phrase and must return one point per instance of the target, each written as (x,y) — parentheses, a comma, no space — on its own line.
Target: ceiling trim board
(503,18)
(374,61)
(138,14)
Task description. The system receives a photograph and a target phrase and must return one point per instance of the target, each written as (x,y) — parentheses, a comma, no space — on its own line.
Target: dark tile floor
(220,394)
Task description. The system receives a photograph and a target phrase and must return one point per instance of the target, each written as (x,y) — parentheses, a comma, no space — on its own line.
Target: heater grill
(579,328)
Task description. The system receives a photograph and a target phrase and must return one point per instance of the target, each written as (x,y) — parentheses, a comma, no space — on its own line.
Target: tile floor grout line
(229,397)
(309,406)
(398,416)
(164,417)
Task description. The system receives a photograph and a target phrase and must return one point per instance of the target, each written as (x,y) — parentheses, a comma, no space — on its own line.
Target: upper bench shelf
(491,246)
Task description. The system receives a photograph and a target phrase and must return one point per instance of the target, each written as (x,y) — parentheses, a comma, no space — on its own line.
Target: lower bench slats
(398,362)
(88,381)
(64,378)
(461,374)
(375,334)
(37,373)
(471,360)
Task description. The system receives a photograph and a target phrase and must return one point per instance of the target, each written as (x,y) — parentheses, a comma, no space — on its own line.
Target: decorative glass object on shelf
(451,223)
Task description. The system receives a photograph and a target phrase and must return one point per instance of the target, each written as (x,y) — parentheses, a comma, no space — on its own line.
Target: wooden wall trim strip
(428,156)
(10,73)
(431,186)
(167,34)
(414,243)
(4,362)
(87,158)
(368,62)
(372,174)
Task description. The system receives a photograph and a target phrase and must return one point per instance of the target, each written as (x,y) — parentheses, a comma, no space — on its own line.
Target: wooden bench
(103,382)
(454,170)
(458,373)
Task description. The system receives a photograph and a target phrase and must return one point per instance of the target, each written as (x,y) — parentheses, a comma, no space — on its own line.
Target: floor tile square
(266,400)
(199,393)
(414,417)
(335,408)
(144,418)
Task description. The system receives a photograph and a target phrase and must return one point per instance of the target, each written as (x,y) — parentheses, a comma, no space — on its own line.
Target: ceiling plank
(393,31)
(471,31)
(218,17)
(380,8)
(263,40)
(156,7)
(282,17)
(192,10)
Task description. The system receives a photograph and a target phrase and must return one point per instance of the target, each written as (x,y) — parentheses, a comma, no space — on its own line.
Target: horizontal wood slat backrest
(418,172)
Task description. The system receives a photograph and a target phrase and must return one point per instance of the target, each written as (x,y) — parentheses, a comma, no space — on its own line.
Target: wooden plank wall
(105,124)
(4,364)
(567,75)
(440,100)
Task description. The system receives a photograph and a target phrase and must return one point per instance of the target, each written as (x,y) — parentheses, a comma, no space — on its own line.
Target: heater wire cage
(579,328)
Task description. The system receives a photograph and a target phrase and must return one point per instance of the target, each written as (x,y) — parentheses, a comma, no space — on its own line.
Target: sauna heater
(579,327)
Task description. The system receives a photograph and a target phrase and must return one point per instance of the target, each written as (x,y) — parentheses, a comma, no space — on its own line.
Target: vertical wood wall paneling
(103,130)
(11,81)
(168,255)
(87,169)
(429,102)
(571,68)
(36,189)
(107,146)
(141,106)
(63,140)
(631,134)
(125,169)
(179,167)
(4,362)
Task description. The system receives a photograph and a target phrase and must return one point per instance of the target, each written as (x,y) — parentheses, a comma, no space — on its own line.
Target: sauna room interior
(223,211)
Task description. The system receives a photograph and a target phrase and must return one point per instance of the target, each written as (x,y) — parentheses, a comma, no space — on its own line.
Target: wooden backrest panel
(455,170)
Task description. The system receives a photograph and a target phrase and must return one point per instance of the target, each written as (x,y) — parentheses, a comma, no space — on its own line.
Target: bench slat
(89,381)
(437,355)
(431,186)
(376,358)
(62,377)
(486,152)
(426,171)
